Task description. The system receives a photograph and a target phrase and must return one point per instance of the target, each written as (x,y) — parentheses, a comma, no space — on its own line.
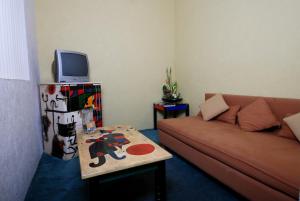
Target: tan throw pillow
(293,122)
(230,115)
(257,116)
(213,106)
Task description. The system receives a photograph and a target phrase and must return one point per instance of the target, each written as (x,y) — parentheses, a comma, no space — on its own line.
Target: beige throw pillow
(213,106)
(293,122)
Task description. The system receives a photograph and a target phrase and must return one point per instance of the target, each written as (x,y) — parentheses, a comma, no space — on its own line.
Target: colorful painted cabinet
(61,105)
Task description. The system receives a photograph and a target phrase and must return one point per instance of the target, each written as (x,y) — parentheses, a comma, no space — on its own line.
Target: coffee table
(120,151)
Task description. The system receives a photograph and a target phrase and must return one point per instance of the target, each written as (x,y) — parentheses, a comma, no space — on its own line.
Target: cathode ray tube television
(71,66)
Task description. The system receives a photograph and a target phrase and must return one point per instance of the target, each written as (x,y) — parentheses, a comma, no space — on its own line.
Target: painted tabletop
(114,148)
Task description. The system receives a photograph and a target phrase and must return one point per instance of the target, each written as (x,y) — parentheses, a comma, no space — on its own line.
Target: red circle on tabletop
(140,149)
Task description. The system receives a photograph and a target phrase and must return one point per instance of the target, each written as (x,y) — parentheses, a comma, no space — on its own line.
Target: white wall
(129,44)
(233,46)
(20,126)
(239,47)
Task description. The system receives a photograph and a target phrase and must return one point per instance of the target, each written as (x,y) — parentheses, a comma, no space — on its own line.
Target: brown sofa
(258,165)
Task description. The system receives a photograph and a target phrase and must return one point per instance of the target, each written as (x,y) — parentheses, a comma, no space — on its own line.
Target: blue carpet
(58,180)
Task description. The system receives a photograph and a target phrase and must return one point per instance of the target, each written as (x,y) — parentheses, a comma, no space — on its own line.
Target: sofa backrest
(281,107)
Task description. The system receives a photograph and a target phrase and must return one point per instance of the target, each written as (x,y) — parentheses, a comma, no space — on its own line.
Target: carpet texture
(58,180)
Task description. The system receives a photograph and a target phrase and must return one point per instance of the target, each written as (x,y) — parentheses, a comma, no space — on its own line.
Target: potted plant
(170,89)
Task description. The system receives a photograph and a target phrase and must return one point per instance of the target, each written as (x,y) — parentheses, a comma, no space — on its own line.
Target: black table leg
(174,114)
(154,118)
(93,189)
(165,114)
(187,111)
(160,182)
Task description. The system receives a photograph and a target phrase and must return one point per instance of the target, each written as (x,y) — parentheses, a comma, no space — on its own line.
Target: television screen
(74,64)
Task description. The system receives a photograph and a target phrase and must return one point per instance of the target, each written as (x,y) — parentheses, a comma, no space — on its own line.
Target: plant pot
(172,100)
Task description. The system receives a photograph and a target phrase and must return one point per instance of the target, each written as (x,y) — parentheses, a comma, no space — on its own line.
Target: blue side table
(167,108)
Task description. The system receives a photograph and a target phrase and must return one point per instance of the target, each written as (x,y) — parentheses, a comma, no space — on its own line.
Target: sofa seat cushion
(270,159)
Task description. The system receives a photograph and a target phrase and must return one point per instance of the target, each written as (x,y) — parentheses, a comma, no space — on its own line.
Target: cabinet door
(52,99)
(61,118)
(72,93)
(97,105)
(80,96)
